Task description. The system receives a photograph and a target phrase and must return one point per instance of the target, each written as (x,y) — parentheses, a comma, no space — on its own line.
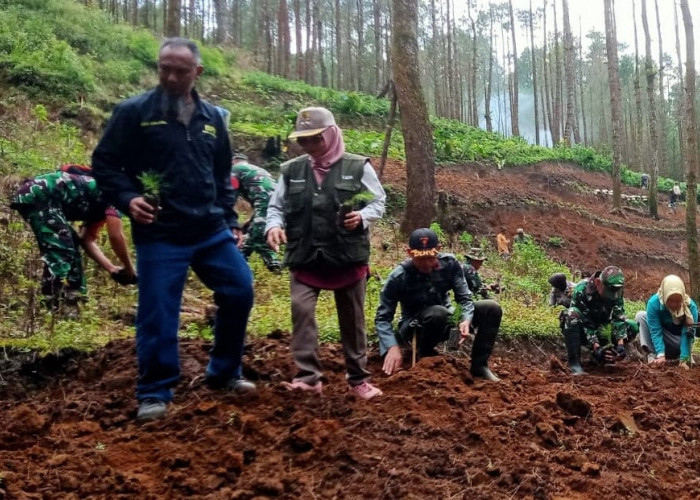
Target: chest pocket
(296,196)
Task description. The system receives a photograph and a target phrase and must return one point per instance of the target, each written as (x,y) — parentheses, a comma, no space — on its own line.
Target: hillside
(67,387)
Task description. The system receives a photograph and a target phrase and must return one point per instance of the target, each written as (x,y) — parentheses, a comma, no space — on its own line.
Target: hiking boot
(235,384)
(151,409)
(299,385)
(365,391)
(484,373)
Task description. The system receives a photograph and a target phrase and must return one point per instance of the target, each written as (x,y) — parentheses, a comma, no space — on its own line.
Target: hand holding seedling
(142,211)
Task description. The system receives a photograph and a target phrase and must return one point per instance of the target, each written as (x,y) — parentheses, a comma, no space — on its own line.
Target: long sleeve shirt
(415,291)
(597,311)
(659,319)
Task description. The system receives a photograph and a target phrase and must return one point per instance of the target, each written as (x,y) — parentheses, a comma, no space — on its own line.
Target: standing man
(502,243)
(326,249)
(179,139)
(49,203)
(255,185)
(421,285)
(596,302)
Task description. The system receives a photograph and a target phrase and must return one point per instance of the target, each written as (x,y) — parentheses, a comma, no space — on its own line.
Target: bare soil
(67,425)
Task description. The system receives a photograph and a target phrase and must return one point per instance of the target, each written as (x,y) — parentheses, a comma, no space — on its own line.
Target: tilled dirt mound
(627,431)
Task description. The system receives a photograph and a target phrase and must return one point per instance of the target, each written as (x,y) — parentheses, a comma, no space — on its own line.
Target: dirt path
(627,431)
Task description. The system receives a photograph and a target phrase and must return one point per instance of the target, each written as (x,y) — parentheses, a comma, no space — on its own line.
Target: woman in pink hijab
(323,251)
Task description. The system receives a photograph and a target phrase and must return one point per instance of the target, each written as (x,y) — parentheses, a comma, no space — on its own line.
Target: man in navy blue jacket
(179,142)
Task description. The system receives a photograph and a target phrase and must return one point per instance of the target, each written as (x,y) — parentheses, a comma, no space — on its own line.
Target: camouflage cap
(476,253)
(612,277)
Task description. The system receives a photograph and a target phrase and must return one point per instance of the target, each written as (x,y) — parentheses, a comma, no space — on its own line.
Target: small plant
(442,237)
(555,241)
(152,187)
(466,239)
(357,202)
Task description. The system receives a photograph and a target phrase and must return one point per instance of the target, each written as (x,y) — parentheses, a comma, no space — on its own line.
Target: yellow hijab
(673,285)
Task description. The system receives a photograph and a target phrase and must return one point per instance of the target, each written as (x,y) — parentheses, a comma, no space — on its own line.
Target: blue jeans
(162,270)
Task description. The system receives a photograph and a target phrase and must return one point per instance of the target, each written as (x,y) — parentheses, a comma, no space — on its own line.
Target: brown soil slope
(628,431)
(549,200)
(624,432)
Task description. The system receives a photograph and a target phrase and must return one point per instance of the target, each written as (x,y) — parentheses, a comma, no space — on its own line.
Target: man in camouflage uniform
(255,185)
(596,302)
(49,203)
(475,258)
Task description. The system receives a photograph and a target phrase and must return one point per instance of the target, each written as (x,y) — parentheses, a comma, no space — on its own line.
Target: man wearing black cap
(421,285)
(596,302)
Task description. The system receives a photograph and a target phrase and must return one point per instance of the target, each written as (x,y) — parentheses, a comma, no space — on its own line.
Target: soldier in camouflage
(255,185)
(475,258)
(596,302)
(49,203)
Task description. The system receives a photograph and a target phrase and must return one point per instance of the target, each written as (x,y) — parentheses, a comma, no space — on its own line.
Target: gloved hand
(621,351)
(604,355)
(123,278)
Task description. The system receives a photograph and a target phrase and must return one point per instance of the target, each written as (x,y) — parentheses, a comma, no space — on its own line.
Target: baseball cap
(476,253)
(423,242)
(612,277)
(312,121)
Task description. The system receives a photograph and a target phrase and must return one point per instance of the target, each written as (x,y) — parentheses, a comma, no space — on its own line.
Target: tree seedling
(357,202)
(152,187)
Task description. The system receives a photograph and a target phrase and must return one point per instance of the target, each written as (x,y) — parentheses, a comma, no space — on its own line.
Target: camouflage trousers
(59,245)
(255,242)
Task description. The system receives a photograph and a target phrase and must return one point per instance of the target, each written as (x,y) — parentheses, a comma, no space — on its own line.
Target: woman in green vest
(316,211)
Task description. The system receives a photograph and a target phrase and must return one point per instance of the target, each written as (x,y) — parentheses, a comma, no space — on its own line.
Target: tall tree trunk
(338,46)
(172,27)
(650,72)
(298,40)
(435,58)
(309,53)
(283,38)
(570,128)
(221,13)
(680,104)
(534,75)
(691,153)
(642,159)
(473,108)
(376,11)
(319,29)
(662,101)
(267,28)
(615,104)
(360,28)
(514,119)
(449,94)
(558,82)
(489,78)
(580,86)
(313,28)
(417,132)
(549,118)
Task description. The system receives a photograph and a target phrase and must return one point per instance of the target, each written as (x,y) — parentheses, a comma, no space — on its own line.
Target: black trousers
(433,324)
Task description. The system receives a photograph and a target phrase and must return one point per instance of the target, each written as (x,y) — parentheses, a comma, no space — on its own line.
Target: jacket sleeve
(275,208)
(374,209)
(461,290)
(388,300)
(112,157)
(225,195)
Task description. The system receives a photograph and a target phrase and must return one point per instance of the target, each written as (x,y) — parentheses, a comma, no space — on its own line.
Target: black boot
(572,339)
(487,320)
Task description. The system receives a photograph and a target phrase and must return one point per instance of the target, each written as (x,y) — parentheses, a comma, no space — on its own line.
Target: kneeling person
(595,303)
(421,285)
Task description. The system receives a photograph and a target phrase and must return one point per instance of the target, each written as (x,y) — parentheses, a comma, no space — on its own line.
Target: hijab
(673,285)
(335,147)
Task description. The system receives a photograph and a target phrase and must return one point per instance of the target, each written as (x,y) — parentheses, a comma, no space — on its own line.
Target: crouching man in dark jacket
(421,285)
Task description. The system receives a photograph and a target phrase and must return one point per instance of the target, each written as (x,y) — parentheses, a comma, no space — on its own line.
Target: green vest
(314,237)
